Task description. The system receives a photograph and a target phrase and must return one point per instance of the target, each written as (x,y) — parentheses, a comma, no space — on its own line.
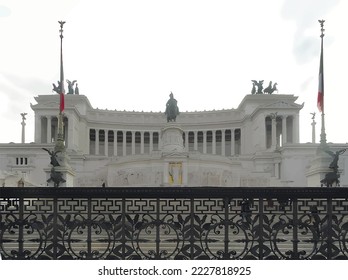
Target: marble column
(106,142)
(214,142)
(233,151)
(49,129)
(204,142)
(274,132)
(142,142)
(115,142)
(124,146)
(313,131)
(159,140)
(284,130)
(96,141)
(133,142)
(195,140)
(151,141)
(223,142)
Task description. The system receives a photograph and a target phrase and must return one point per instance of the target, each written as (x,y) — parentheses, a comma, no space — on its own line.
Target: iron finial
(322,27)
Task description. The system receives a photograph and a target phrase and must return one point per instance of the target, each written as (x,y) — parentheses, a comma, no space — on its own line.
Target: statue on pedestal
(335,158)
(172,109)
(77,91)
(55,176)
(333,177)
(57,88)
(259,84)
(270,89)
(71,86)
(54,161)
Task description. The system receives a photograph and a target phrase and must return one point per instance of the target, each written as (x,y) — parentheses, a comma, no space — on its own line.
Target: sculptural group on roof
(260,90)
(58,88)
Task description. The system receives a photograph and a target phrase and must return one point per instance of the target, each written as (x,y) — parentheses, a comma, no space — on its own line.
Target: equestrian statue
(172,109)
(260,90)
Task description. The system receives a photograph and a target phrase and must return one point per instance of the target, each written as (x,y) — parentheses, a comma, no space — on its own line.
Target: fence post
(226,224)
(261,228)
(329,228)
(295,229)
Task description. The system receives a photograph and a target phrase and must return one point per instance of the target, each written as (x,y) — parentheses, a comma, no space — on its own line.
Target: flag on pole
(320,101)
(61,105)
(61,84)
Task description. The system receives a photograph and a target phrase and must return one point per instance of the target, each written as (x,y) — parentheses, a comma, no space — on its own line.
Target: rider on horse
(172,109)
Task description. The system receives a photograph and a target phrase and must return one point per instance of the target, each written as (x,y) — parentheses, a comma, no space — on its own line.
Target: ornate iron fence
(173,223)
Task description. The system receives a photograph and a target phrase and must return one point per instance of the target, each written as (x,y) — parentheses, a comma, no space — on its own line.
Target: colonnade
(122,142)
(47,128)
(281,129)
(225,142)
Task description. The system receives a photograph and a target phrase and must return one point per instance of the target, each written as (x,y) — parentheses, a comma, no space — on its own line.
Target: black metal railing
(173,223)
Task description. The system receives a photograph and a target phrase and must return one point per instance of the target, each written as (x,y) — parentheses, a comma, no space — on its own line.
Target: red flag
(61,105)
(320,101)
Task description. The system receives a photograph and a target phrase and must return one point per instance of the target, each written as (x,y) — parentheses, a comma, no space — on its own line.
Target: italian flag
(61,104)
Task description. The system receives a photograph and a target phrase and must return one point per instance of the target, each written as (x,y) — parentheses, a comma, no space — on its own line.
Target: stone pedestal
(174,156)
(172,139)
(319,167)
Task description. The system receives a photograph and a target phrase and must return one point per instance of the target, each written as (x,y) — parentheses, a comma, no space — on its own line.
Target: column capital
(273,116)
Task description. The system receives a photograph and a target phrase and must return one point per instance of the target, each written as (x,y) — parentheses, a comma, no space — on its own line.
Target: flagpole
(60,137)
(323,143)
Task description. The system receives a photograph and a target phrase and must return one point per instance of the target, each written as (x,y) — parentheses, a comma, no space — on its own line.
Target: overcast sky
(129,55)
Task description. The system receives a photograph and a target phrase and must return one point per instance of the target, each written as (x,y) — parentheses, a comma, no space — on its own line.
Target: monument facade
(255,144)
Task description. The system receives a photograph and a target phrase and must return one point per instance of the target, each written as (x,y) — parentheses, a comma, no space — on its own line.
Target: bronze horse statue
(271,89)
(172,109)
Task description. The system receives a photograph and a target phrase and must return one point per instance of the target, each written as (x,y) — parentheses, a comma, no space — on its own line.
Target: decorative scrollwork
(157,238)
(88,238)
(288,234)
(233,235)
(33,239)
(173,228)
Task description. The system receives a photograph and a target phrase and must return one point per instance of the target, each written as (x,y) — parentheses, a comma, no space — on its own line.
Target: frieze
(254,182)
(284,105)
